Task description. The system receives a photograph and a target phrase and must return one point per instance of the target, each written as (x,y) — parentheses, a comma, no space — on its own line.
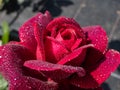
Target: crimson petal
(38,32)
(101,72)
(12,58)
(55,72)
(97,36)
(76,44)
(26,31)
(54,50)
(60,22)
(76,57)
(67,38)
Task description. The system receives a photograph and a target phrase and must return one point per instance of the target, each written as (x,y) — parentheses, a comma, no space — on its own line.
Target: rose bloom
(57,54)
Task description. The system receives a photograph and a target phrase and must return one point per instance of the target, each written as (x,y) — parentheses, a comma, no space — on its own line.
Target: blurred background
(13,13)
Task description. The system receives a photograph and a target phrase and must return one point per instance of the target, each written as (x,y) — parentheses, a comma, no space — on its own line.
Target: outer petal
(29,83)
(12,58)
(26,31)
(55,72)
(96,35)
(67,86)
(100,72)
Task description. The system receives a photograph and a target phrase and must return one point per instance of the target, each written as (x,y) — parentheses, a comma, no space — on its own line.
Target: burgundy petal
(68,86)
(76,57)
(96,36)
(100,72)
(26,31)
(29,83)
(12,58)
(55,72)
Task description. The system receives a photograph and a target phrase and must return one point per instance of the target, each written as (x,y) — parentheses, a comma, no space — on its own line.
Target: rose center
(66,36)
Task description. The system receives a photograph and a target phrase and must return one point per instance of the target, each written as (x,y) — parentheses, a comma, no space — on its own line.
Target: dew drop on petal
(15,83)
(0,57)
(15,79)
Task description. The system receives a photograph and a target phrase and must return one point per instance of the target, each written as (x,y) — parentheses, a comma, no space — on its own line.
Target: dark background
(86,12)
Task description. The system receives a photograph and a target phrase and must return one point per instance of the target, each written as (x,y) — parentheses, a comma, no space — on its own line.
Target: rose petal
(65,85)
(12,58)
(67,38)
(54,50)
(69,23)
(99,88)
(26,31)
(38,32)
(76,57)
(76,44)
(29,83)
(112,58)
(96,36)
(100,72)
(55,72)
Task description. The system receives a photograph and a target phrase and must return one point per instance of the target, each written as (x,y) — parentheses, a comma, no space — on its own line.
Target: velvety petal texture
(26,31)
(54,71)
(97,36)
(11,66)
(76,57)
(57,54)
(98,73)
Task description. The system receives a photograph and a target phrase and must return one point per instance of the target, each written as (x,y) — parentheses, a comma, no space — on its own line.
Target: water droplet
(15,79)
(39,16)
(15,84)
(29,87)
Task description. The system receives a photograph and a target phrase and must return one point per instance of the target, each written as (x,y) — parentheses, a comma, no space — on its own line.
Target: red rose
(57,55)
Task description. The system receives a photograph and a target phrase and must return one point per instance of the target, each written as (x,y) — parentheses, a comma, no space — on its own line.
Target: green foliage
(3,83)
(2,2)
(5,30)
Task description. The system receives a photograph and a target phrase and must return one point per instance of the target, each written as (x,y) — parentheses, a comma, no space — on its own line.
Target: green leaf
(5,30)
(1,3)
(3,83)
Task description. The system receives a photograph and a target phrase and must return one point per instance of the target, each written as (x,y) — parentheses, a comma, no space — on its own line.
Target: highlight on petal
(98,37)
(100,72)
(55,72)
(38,32)
(26,31)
